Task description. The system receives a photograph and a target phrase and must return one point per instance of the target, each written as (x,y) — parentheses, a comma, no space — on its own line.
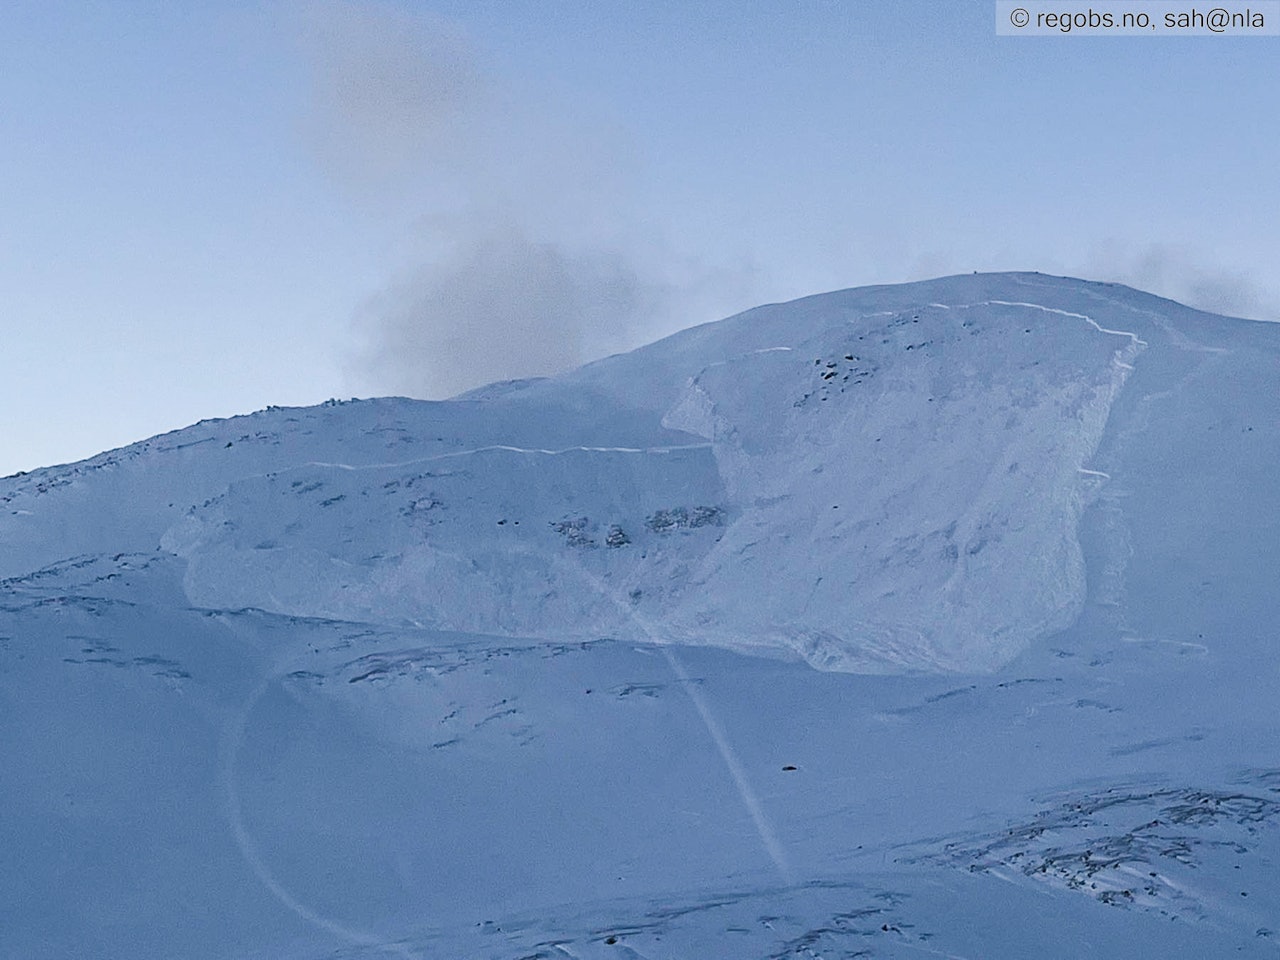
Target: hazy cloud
(1180,274)
(503,305)
(528,261)
(394,96)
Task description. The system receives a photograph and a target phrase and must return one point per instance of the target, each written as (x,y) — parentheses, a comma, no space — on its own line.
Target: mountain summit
(528,673)
(880,480)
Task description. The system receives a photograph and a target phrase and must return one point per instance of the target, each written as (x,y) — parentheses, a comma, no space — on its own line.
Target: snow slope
(530,673)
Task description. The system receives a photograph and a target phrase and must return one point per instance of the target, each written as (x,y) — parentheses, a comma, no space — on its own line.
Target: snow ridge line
(1067,313)
(509,449)
(354,467)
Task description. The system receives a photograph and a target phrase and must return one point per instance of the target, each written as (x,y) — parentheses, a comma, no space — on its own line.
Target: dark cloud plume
(528,260)
(504,305)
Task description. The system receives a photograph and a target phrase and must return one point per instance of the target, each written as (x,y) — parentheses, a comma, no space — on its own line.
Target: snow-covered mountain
(531,672)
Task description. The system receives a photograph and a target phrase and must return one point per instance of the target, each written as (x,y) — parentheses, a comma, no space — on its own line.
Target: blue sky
(206,208)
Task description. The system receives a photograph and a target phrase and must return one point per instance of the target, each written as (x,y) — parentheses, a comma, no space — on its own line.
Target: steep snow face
(126,499)
(915,479)
(487,540)
(893,485)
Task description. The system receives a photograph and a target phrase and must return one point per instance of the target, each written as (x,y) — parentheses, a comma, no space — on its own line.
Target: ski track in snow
(1180,645)
(750,798)
(748,794)
(233,739)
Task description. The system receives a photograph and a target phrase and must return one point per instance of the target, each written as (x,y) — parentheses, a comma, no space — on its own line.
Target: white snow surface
(887,484)
(529,673)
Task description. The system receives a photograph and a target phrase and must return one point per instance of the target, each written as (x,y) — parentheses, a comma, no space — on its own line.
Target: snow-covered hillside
(530,673)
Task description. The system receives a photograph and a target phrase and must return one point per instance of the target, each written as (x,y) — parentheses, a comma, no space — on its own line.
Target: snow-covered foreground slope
(530,673)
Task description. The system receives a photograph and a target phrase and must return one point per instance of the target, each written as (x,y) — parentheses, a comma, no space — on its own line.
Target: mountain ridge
(533,675)
(982,414)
